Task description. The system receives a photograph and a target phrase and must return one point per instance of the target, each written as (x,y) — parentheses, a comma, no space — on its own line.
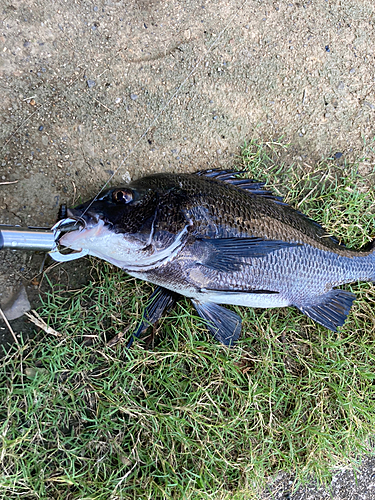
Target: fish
(220,239)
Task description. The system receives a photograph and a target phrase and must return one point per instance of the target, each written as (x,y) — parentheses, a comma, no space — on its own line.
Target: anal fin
(331,310)
(224,324)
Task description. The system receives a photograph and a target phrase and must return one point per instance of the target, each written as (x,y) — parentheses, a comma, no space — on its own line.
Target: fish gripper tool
(43,239)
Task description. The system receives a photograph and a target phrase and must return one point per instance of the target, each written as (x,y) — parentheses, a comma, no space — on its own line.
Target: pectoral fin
(227,254)
(332,309)
(160,300)
(222,323)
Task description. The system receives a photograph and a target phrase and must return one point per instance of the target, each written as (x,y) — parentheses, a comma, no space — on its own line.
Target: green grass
(179,416)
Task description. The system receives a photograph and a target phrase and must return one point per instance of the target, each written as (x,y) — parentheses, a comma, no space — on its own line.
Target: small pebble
(341,86)
(352,71)
(327,48)
(40,128)
(133,97)
(337,155)
(91,83)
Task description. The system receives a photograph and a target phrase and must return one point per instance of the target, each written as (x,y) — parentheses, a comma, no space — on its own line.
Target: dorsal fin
(252,185)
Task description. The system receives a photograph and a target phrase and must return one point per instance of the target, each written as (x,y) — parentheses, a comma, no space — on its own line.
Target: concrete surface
(82,82)
(347,484)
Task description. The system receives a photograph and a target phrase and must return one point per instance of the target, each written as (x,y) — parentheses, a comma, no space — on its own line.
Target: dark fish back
(222,210)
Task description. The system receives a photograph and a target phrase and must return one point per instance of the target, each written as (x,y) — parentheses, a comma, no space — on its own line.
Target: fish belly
(262,300)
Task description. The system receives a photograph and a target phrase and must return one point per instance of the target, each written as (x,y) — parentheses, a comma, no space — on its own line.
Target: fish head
(116,226)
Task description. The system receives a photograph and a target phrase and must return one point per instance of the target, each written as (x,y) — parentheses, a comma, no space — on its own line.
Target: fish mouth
(85,220)
(80,225)
(80,234)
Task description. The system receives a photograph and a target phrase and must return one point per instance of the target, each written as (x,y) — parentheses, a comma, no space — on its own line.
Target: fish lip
(85,219)
(88,219)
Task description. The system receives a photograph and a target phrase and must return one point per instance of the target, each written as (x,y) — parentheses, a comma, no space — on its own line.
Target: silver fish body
(218,239)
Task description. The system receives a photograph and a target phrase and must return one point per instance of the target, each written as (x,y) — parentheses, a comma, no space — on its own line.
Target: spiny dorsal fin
(252,185)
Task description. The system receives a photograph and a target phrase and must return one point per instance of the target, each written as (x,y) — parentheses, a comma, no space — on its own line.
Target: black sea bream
(218,239)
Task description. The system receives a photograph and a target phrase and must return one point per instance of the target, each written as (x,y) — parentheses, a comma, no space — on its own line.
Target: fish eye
(122,196)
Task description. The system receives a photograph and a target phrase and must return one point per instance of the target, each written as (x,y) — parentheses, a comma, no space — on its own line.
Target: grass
(179,416)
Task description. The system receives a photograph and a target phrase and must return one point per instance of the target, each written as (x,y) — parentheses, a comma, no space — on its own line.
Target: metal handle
(37,238)
(25,238)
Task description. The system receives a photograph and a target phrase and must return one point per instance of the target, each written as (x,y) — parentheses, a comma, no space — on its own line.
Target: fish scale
(218,239)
